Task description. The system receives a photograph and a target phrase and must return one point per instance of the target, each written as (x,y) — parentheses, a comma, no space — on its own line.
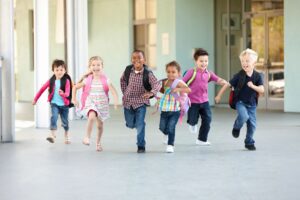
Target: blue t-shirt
(57,99)
(246,94)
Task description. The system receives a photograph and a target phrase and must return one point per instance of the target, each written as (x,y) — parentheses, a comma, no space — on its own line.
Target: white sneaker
(165,139)
(201,143)
(170,149)
(193,129)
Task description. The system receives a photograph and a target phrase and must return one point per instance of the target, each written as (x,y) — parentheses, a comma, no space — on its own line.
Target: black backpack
(146,73)
(63,81)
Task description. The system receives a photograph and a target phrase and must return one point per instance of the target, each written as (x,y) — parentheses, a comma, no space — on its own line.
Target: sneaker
(193,129)
(235,132)
(170,149)
(201,143)
(250,147)
(50,139)
(141,150)
(165,139)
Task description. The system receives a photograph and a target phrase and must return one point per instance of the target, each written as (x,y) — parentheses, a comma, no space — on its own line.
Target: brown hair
(174,64)
(200,52)
(57,63)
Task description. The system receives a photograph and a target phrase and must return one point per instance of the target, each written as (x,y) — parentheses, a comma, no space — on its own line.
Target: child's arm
(259,89)
(67,90)
(155,84)
(221,81)
(182,88)
(114,94)
(75,88)
(40,92)
(221,92)
(85,75)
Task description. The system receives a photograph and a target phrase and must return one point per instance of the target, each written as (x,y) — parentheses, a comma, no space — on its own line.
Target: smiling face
(96,67)
(59,71)
(138,60)
(202,62)
(172,72)
(247,63)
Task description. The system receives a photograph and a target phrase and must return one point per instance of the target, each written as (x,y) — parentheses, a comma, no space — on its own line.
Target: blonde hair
(95,58)
(251,53)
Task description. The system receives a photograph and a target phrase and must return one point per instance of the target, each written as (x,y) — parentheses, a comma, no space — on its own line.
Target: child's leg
(163,122)
(193,114)
(64,115)
(251,126)
(129,115)
(92,116)
(242,116)
(171,126)
(53,123)
(205,113)
(140,126)
(99,134)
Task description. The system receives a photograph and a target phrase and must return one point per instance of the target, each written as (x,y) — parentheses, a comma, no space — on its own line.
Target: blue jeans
(135,118)
(202,109)
(246,114)
(63,111)
(167,124)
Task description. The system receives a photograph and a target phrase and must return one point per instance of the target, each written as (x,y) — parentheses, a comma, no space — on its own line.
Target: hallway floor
(33,169)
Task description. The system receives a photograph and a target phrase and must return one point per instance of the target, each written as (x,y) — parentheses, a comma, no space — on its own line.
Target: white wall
(291,55)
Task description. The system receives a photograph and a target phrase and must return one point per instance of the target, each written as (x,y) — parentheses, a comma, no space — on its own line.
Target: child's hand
(74,101)
(33,102)
(175,90)
(60,92)
(147,95)
(115,106)
(250,84)
(217,99)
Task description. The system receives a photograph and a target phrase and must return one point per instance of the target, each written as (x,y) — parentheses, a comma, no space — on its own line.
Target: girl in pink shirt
(95,99)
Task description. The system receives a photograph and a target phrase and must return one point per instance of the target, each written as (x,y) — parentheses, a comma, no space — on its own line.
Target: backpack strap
(127,73)
(146,82)
(103,80)
(193,77)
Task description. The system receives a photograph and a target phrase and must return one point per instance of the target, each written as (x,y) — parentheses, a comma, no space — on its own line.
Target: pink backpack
(183,99)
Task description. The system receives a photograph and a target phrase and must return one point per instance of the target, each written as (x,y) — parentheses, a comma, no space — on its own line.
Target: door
(263,32)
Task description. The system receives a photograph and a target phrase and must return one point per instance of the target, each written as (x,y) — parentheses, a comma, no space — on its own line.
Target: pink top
(199,86)
(63,95)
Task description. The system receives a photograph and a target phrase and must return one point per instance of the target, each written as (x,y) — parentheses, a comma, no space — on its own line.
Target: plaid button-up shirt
(134,91)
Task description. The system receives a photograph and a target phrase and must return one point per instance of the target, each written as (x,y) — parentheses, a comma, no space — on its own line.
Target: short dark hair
(200,52)
(174,64)
(139,51)
(57,63)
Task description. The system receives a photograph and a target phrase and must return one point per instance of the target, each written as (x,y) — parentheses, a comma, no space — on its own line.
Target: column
(41,59)
(7,81)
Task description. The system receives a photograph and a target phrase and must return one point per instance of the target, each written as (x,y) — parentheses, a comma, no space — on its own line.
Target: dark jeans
(167,124)
(135,118)
(202,109)
(63,111)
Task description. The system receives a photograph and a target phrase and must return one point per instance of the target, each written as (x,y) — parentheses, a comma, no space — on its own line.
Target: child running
(138,84)
(249,84)
(169,104)
(95,99)
(197,79)
(60,94)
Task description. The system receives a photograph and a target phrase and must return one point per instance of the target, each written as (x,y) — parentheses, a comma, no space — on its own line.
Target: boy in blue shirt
(249,89)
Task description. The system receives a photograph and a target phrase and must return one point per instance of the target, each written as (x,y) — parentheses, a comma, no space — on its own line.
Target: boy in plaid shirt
(138,84)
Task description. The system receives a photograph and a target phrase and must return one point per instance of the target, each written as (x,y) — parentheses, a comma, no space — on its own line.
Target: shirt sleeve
(260,80)
(188,75)
(155,84)
(40,92)
(123,83)
(213,77)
